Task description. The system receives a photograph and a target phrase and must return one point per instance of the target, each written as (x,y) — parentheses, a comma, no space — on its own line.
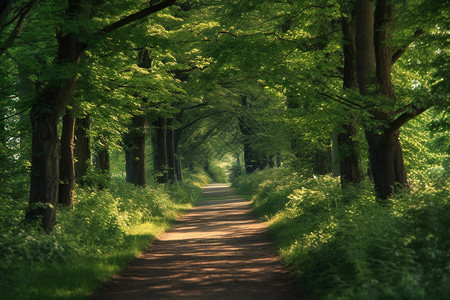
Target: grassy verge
(90,243)
(344,245)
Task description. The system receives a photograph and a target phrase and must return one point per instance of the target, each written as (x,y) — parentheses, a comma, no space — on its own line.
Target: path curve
(218,250)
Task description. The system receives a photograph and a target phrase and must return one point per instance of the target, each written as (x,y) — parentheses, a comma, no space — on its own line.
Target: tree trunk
(171,161)
(47,107)
(250,162)
(134,142)
(349,167)
(102,162)
(160,151)
(374,78)
(176,148)
(386,162)
(349,162)
(44,166)
(365,53)
(322,161)
(270,161)
(335,154)
(278,159)
(250,159)
(67,166)
(82,149)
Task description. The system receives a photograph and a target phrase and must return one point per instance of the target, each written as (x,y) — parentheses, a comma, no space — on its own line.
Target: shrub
(89,243)
(342,244)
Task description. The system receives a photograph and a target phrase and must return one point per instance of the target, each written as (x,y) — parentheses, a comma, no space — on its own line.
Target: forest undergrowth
(89,243)
(343,244)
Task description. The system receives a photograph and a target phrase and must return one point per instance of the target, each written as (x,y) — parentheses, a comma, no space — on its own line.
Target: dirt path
(218,250)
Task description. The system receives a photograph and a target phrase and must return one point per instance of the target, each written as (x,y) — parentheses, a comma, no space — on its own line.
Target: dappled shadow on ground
(218,250)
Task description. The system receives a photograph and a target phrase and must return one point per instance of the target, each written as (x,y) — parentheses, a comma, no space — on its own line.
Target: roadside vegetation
(91,242)
(343,244)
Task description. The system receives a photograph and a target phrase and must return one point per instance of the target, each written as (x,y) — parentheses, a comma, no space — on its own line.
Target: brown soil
(218,250)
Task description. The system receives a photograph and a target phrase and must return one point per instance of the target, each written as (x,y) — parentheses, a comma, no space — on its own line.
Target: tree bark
(102,162)
(176,146)
(365,53)
(350,170)
(67,166)
(250,160)
(82,149)
(171,168)
(278,160)
(47,107)
(349,167)
(160,151)
(386,163)
(322,161)
(374,61)
(134,142)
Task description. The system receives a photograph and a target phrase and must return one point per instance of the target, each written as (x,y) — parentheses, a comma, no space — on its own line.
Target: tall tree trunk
(270,161)
(102,162)
(160,151)
(27,90)
(134,142)
(349,167)
(82,149)
(67,166)
(44,164)
(322,161)
(171,161)
(278,159)
(374,62)
(335,154)
(176,148)
(47,107)
(365,53)
(250,159)
(250,162)
(386,159)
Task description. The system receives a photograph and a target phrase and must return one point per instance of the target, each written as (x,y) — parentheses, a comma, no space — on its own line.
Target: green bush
(89,243)
(217,173)
(342,244)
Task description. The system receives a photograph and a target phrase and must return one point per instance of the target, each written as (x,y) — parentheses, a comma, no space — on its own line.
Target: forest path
(218,250)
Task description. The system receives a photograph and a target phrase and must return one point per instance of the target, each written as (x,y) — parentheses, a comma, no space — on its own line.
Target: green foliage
(343,245)
(198,177)
(89,243)
(216,172)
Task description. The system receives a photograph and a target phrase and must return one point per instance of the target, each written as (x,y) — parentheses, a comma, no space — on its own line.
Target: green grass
(90,243)
(345,245)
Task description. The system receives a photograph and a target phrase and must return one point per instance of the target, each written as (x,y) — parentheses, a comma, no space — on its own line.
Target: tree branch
(15,32)
(194,106)
(401,51)
(342,100)
(16,114)
(198,119)
(153,8)
(404,118)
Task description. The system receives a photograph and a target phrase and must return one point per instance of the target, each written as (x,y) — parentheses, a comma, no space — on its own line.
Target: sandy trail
(218,250)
